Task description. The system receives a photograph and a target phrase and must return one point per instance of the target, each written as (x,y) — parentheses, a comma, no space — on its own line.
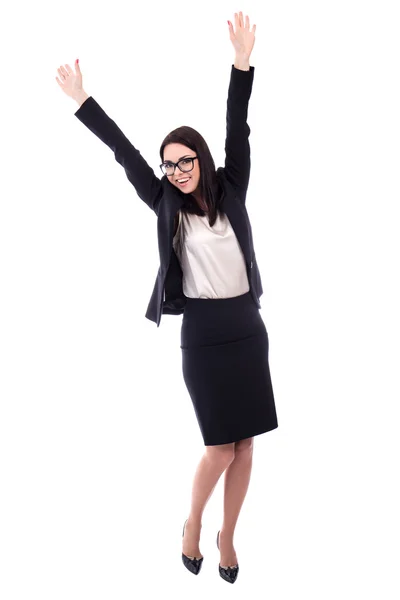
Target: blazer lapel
(236,213)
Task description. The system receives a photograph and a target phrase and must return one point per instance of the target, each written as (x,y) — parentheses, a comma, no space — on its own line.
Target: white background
(98,438)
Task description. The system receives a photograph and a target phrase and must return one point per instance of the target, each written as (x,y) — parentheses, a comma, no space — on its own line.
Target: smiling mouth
(185,182)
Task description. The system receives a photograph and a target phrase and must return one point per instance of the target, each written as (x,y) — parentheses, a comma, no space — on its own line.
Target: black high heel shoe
(229,574)
(192,563)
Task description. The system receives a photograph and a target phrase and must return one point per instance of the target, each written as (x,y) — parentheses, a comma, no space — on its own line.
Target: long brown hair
(208,184)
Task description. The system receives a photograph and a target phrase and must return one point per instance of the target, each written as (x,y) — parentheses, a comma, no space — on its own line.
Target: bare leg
(214,462)
(237,478)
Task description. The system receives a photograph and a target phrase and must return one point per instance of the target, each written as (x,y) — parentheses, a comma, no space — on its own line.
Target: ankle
(227,534)
(194,522)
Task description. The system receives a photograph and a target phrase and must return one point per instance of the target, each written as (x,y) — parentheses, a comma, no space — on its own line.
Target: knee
(224,454)
(244,446)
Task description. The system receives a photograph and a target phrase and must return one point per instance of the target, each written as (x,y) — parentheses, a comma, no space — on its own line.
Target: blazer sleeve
(237,147)
(138,172)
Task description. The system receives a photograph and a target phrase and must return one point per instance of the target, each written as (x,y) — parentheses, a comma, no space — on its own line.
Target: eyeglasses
(185,164)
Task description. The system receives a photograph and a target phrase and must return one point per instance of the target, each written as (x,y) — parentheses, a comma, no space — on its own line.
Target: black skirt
(225,366)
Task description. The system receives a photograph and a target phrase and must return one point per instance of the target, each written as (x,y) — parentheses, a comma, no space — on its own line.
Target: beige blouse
(211,258)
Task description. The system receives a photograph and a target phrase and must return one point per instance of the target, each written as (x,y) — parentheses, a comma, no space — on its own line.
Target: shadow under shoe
(229,574)
(191,563)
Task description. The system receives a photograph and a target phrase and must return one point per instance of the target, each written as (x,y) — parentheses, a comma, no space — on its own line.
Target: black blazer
(165,199)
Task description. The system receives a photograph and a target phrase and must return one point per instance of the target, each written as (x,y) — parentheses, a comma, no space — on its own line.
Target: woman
(208,273)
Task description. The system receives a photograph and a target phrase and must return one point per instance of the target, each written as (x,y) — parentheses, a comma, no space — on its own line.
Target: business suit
(224,342)
(165,199)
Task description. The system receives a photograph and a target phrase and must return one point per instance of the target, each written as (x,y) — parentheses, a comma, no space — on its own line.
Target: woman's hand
(71,83)
(243,40)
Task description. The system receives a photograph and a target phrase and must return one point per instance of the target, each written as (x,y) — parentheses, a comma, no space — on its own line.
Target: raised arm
(139,173)
(90,113)
(237,147)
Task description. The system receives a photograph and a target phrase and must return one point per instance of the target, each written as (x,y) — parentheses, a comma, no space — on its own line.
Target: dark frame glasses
(172,164)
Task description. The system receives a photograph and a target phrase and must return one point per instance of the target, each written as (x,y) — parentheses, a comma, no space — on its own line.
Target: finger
(247,22)
(63,70)
(237,22)
(241,19)
(254,29)
(70,71)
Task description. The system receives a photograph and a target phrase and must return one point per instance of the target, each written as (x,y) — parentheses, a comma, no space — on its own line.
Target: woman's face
(174,153)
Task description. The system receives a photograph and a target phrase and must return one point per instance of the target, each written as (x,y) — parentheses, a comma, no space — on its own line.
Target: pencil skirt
(225,367)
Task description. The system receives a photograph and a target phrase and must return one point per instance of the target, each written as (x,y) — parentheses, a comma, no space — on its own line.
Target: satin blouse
(212,261)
